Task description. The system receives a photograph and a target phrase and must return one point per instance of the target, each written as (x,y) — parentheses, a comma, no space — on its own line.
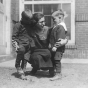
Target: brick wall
(81,6)
(14,17)
(81,31)
(81,24)
(15,10)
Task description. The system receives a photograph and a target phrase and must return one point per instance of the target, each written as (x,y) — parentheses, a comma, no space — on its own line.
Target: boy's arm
(15,36)
(60,33)
(60,37)
(61,42)
(15,32)
(48,35)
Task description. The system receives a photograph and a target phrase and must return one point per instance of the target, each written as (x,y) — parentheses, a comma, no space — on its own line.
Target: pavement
(74,75)
(11,62)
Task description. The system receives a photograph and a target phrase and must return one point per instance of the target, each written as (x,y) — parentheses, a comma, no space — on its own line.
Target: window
(49,6)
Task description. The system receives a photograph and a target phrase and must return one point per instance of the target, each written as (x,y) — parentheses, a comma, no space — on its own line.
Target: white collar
(63,24)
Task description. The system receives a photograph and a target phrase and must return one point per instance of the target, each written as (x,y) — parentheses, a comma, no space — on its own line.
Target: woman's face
(41,22)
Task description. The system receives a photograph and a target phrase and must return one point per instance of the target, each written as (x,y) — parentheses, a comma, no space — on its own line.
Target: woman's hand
(61,42)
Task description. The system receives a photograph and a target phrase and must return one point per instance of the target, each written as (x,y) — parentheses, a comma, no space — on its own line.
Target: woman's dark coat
(41,56)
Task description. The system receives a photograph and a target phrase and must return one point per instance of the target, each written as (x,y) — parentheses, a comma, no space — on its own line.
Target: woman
(41,56)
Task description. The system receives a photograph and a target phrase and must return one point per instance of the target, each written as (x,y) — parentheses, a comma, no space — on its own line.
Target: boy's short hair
(57,13)
(27,14)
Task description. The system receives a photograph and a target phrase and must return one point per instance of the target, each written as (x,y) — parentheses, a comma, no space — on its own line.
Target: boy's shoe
(19,70)
(56,77)
(23,77)
(33,71)
(21,73)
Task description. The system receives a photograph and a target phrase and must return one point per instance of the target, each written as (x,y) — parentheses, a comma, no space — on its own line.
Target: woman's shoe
(33,71)
(51,72)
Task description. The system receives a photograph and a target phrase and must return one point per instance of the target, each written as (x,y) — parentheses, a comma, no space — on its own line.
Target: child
(22,42)
(57,41)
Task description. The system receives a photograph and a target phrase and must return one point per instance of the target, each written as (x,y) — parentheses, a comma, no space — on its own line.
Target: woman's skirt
(41,58)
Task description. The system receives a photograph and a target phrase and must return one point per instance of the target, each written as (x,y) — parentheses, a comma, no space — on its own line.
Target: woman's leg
(34,63)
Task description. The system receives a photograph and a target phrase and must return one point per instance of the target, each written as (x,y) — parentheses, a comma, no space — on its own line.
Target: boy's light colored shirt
(63,24)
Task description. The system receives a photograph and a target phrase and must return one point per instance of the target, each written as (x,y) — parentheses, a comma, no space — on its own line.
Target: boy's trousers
(56,60)
(20,61)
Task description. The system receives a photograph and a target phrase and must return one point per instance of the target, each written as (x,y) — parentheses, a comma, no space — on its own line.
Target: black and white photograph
(43,43)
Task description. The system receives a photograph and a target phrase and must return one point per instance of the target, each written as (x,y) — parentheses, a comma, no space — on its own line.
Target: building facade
(76,18)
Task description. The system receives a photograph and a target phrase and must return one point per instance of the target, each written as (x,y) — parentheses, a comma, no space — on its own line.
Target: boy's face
(58,19)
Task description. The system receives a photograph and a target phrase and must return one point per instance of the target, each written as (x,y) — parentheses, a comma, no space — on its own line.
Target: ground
(73,76)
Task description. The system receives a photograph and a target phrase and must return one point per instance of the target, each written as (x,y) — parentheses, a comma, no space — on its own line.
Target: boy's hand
(54,49)
(15,45)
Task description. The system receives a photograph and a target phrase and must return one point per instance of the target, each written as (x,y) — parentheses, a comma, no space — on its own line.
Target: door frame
(8,26)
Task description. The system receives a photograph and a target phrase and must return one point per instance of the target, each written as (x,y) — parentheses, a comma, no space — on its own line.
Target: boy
(22,42)
(58,34)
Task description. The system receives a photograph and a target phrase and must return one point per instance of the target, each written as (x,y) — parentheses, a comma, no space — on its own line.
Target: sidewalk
(10,63)
(74,75)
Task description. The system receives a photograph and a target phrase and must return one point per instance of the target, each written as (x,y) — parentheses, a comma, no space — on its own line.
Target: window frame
(70,42)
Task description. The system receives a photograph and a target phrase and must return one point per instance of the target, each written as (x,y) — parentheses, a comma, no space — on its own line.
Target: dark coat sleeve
(48,35)
(15,33)
(60,33)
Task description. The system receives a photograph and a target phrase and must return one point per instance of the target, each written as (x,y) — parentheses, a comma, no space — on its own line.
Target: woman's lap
(42,58)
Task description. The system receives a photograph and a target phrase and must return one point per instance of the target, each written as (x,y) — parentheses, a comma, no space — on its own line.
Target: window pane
(43,0)
(55,7)
(37,8)
(28,0)
(48,20)
(26,7)
(47,9)
(67,8)
(37,0)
